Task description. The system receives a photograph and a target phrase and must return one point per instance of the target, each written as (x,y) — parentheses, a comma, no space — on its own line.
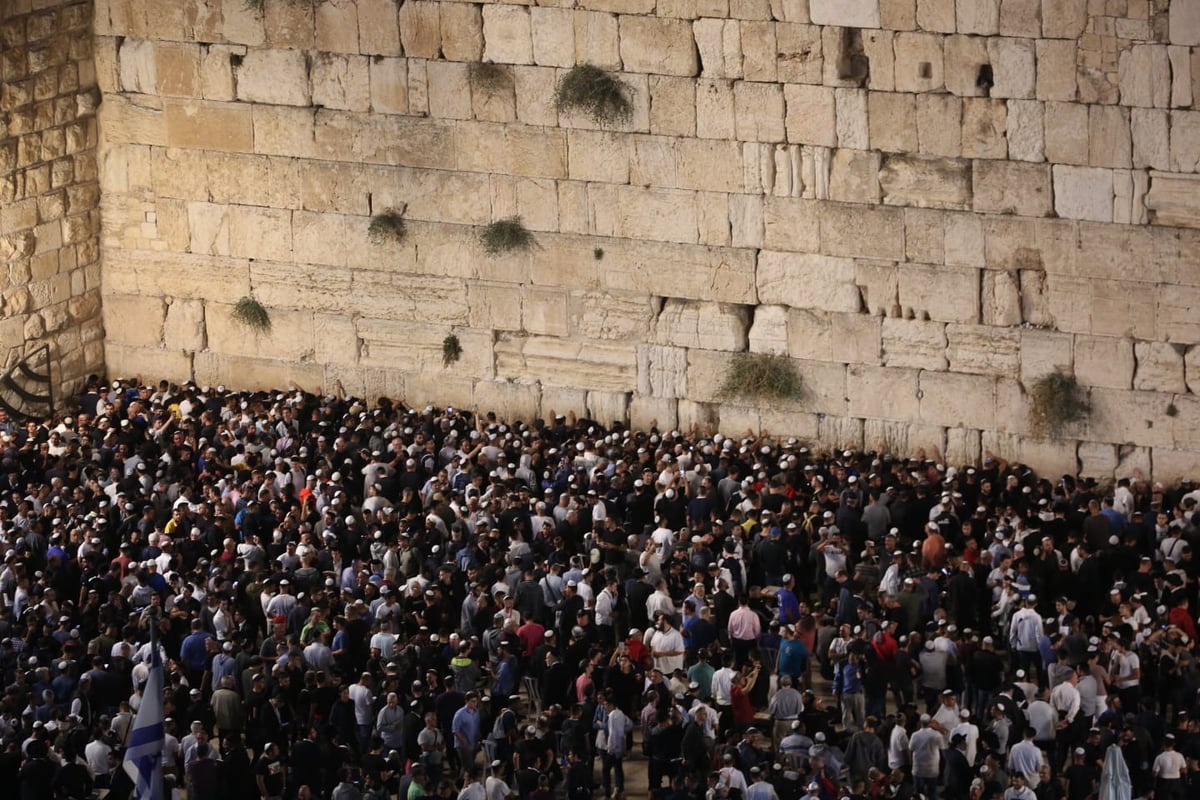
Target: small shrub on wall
(1058,401)
(599,95)
(761,376)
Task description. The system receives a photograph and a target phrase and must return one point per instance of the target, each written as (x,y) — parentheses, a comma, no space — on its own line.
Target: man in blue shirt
(194,653)
(465,728)
(789,605)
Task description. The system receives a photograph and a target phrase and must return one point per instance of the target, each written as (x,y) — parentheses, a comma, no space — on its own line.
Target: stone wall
(49,189)
(927,204)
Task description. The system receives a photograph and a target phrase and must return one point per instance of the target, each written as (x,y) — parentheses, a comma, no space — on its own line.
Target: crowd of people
(358,599)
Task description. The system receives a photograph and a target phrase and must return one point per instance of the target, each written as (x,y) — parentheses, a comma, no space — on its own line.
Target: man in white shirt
(1023,633)
(1026,759)
(925,746)
(666,646)
(969,731)
(722,689)
(1169,769)
(898,755)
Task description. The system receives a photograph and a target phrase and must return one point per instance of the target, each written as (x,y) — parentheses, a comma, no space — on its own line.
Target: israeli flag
(143,754)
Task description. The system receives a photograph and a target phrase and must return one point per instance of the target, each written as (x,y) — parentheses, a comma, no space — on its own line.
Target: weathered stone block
(898,15)
(1010,187)
(632,212)
(341,81)
(984,122)
(800,55)
(893,122)
(964,241)
(710,326)
(978,17)
(1066,126)
(420,29)
(1145,75)
(494,305)
(1056,69)
(652,412)
(1063,19)
(276,77)
(802,280)
(810,115)
(507,35)
(378,28)
(1013,67)
(290,336)
(1185,141)
(826,336)
(942,294)
(659,46)
(854,177)
(936,15)
(544,311)
(121,359)
(1026,130)
(983,349)
(133,320)
(883,392)
(769,333)
(1083,193)
(939,125)
(964,56)
(662,371)
(449,89)
(919,62)
(1172,199)
(137,66)
(177,69)
(926,182)
(1042,352)
(759,112)
(956,400)
(1021,18)
(1001,298)
(460,26)
(1108,137)
(1104,361)
(1184,24)
(846,13)
(389,85)
(842,225)
(913,343)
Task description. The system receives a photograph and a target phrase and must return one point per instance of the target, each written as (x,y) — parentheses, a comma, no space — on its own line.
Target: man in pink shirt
(744,628)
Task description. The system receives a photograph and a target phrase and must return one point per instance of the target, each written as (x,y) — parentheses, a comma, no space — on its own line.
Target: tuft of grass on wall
(505,236)
(596,93)
(387,226)
(1058,401)
(451,350)
(490,78)
(761,376)
(250,313)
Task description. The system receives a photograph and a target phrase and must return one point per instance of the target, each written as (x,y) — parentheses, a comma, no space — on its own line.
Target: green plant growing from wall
(598,254)
(761,376)
(505,236)
(1058,401)
(250,313)
(451,350)
(1172,410)
(594,92)
(387,226)
(490,78)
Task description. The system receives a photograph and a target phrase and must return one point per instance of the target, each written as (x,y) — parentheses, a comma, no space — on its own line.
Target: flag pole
(147,740)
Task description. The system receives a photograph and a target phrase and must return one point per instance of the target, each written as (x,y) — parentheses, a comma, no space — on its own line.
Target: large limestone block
(291,25)
(942,294)
(800,55)
(1083,193)
(290,336)
(155,274)
(643,213)
(1056,70)
(596,40)
(852,129)
(883,392)
(404,345)
(1145,75)
(507,36)
(672,106)
(964,55)
(183,328)
(461,29)
(939,125)
(1026,130)
(508,399)
(803,280)
(138,66)
(1066,128)
(1001,298)
(512,150)
(759,112)
(560,362)
(608,408)
(378,28)
(810,115)
(984,122)
(662,371)
(898,15)
(881,56)
(983,349)
(341,81)
(177,68)
(1181,76)
(1160,367)
(260,233)
(792,224)
(337,26)
(1109,143)
(449,89)
(919,62)
(553,31)
(1172,464)
(599,156)
(389,85)
(1185,141)
(1131,417)
(719,43)
(937,15)
(978,17)
(171,365)
(494,305)
(893,121)
(769,333)
(854,177)
(964,245)
(696,272)
(846,13)
(659,46)
(544,311)
(1011,187)
(1063,19)
(1173,200)
(708,166)
(1013,67)
(710,326)
(1184,23)
(926,182)
(955,400)
(335,337)
(276,77)
(650,412)
(924,236)
(913,343)
(133,320)
(842,226)
(1021,18)
(1104,361)
(437,301)
(1042,352)
(827,336)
